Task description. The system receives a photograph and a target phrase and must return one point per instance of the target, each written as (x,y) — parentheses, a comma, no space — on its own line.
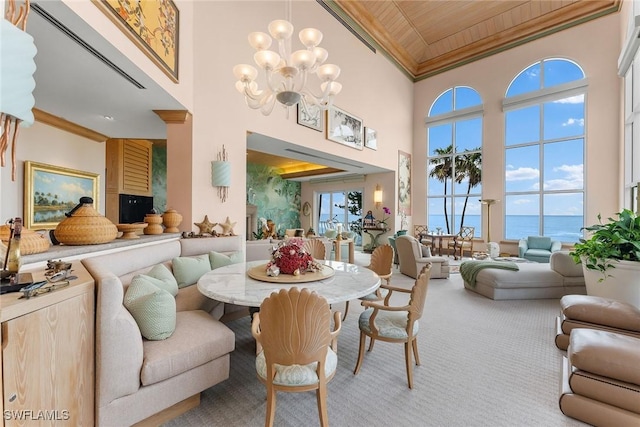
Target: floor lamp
(492,247)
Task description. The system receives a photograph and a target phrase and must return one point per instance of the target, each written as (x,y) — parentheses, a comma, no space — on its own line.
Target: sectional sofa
(561,276)
(139,379)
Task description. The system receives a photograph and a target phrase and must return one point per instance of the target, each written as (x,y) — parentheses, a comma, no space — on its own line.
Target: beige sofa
(562,276)
(600,382)
(412,261)
(136,378)
(591,312)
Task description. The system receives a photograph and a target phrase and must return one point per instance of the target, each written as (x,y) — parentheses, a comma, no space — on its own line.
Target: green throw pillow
(187,270)
(160,276)
(154,309)
(218,259)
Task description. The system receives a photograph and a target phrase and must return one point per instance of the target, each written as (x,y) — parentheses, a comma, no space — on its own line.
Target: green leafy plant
(618,239)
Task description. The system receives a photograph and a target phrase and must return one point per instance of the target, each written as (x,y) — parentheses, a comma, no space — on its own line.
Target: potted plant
(403,224)
(611,258)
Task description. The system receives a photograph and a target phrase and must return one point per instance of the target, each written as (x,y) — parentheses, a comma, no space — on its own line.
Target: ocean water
(565,228)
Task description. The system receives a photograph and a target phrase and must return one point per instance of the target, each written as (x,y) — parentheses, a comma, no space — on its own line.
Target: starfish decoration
(205,226)
(227,227)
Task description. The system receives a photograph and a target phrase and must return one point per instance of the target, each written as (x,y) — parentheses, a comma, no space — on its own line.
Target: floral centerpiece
(382,223)
(290,257)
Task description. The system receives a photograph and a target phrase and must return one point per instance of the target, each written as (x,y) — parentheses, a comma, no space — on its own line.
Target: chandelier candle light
(287,72)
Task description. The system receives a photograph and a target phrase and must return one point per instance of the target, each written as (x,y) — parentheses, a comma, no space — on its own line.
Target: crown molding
(173,116)
(60,123)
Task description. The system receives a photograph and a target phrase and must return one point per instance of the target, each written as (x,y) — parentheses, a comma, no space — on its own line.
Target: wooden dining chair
(297,349)
(382,264)
(380,321)
(316,248)
(462,241)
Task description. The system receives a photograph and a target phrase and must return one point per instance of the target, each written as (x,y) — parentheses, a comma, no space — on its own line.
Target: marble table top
(231,284)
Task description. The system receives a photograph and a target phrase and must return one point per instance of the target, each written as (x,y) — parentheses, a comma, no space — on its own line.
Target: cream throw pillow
(426,251)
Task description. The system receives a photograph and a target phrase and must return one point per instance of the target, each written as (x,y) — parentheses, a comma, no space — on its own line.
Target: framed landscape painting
(404,182)
(344,128)
(51,191)
(311,117)
(152,25)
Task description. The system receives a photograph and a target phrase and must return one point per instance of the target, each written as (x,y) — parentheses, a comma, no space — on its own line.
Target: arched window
(544,151)
(454,161)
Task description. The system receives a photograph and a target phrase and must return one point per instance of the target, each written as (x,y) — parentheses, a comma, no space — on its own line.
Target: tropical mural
(276,198)
(159,178)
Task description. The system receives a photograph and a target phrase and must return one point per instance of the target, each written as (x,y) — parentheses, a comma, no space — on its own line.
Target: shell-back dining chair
(297,348)
(316,248)
(397,324)
(382,263)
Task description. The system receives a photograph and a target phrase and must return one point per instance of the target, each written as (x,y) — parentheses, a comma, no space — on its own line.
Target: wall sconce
(17,51)
(221,174)
(377,196)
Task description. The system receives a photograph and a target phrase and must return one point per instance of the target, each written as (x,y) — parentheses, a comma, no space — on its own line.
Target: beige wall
(45,144)
(373,89)
(183,90)
(596,54)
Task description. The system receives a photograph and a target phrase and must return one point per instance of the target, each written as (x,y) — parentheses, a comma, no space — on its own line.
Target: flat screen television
(134,208)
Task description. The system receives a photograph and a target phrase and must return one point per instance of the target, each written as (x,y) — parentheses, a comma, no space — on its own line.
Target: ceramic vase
(155,224)
(171,220)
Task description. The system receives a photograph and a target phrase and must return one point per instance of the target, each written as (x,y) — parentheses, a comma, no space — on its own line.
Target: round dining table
(232,283)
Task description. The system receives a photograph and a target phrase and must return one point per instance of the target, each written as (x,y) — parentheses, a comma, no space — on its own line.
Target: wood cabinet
(128,163)
(47,362)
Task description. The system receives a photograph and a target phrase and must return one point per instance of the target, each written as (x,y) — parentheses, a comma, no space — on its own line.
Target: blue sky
(559,123)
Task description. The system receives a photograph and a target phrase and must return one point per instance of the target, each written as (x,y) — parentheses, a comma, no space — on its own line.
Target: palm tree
(468,166)
(443,171)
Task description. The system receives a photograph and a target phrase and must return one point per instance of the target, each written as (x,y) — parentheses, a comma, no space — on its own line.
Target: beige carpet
(484,363)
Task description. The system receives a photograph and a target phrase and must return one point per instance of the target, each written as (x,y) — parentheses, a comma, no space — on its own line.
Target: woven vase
(85,227)
(155,224)
(171,220)
(30,241)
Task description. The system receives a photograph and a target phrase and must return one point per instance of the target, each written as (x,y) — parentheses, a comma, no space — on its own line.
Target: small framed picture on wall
(404,182)
(370,138)
(311,117)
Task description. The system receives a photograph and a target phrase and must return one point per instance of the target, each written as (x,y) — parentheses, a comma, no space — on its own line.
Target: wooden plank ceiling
(429,37)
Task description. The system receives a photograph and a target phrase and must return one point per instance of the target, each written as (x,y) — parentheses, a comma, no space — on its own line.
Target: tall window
(454,161)
(544,151)
(340,207)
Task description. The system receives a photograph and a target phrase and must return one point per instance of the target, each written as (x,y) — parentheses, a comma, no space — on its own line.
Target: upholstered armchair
(412,258)
(538,248)
(392,242)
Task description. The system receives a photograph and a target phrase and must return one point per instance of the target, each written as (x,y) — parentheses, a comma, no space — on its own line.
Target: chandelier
(287,73)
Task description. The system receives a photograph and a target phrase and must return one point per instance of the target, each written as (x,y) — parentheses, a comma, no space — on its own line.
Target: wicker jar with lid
(171,220)
(30,243)
(85,226)
(155,224)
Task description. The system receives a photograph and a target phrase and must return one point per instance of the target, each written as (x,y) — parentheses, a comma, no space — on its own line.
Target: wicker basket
(30,241)
(85,227)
